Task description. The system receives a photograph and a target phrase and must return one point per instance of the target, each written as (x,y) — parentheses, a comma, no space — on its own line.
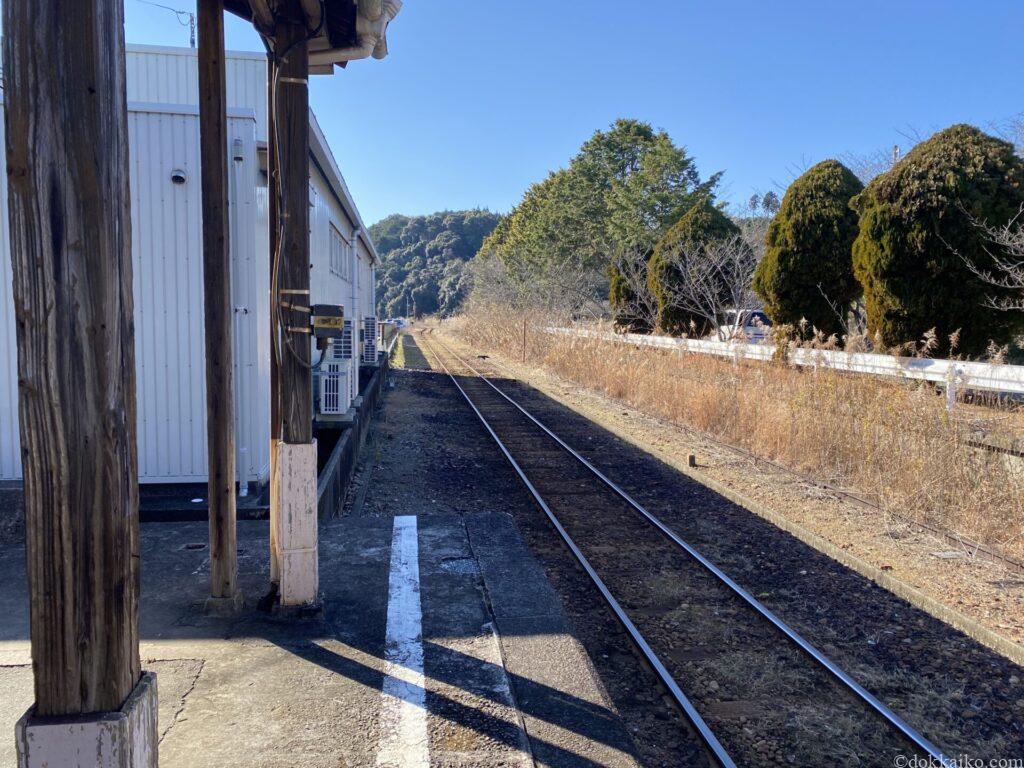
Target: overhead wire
(185,18)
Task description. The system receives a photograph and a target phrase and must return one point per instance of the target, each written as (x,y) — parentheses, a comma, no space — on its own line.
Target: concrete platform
(502,681)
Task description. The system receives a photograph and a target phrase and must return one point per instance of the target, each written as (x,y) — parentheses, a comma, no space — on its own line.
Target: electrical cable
(323,354)
(185,18)
(177,11)
(280,193)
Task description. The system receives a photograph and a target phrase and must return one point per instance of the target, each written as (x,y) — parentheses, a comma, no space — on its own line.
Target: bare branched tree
(852,317)
(569,289)
(1011,130)
(753,219)
(867,165)
(491,282)
(1005,273)
(715,277)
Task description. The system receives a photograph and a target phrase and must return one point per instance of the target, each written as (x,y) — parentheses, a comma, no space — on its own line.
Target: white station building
(166,201)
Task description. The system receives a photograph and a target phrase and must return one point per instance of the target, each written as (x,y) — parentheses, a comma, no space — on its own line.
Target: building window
(339,262)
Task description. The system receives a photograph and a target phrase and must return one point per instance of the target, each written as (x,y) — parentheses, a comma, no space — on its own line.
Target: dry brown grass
(893,442)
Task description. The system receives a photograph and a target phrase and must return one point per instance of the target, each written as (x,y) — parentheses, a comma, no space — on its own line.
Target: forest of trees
(423,265)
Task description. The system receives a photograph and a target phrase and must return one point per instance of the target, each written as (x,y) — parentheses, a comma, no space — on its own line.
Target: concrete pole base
(225,606)
(127,738)
(295,523)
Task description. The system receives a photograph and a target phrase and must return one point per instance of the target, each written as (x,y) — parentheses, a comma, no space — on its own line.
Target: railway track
(687,618)
(961,542)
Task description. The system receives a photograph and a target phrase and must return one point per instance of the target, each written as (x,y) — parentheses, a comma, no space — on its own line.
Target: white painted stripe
(403,720)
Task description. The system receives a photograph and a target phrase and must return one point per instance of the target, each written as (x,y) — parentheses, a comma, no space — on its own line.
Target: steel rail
(867,697)
(690,712)
(950,537)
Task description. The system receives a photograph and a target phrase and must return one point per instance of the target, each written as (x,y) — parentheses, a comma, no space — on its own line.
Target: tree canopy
(423,260)
(620,192)
(807,269)
(921,232)
(688,240)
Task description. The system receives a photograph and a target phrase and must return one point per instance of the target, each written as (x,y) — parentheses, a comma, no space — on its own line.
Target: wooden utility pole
(293,518)
(292,142)
(273,170)
(220,387)
(70,228)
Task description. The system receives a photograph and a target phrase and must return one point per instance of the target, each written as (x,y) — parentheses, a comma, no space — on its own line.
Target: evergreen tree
(919,235)
(619,194)
(700,227)
(807,268)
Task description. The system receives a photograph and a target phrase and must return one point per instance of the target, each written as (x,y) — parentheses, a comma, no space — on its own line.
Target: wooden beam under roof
(341,30)
(337,28)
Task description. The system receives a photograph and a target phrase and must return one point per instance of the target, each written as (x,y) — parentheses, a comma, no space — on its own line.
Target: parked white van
(744,325)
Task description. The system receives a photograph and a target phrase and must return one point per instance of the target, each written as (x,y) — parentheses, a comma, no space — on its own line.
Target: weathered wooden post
(69,213)
(275,374)
(225,596)
(293,508)
(341,31)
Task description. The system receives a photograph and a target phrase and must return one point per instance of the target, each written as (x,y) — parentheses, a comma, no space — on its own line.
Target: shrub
(625,304)
(701,226)
(807,269)
(919,234)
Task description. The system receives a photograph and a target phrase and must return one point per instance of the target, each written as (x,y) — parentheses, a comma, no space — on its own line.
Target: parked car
(744,325)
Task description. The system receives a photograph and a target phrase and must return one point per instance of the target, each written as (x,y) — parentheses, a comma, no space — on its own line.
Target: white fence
(955,374)
(388,333)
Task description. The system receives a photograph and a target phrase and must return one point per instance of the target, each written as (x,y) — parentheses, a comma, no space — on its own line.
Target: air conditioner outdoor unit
(341,348)
(335,374)
(369,339)
(334,389)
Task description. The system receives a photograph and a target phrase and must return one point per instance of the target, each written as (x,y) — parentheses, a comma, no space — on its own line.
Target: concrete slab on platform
(565,709)
(502,681)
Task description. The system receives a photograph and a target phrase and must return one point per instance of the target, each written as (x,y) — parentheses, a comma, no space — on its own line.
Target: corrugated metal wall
(366,283)
(166,222)
(168,274)
(169,329)
(171,76)
(10,459)
(168,289)
(260,325)
(327,287)
(250,286)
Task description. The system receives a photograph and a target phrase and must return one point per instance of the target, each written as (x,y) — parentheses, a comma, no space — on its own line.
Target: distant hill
(423,260)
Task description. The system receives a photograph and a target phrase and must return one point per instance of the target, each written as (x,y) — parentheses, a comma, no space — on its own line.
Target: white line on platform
(403,720)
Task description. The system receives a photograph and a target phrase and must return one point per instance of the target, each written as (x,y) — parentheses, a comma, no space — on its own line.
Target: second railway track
(754,691)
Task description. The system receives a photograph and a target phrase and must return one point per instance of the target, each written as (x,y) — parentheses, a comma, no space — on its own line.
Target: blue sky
(480,98)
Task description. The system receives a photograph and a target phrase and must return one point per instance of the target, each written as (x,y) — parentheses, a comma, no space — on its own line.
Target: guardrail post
(951,386)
